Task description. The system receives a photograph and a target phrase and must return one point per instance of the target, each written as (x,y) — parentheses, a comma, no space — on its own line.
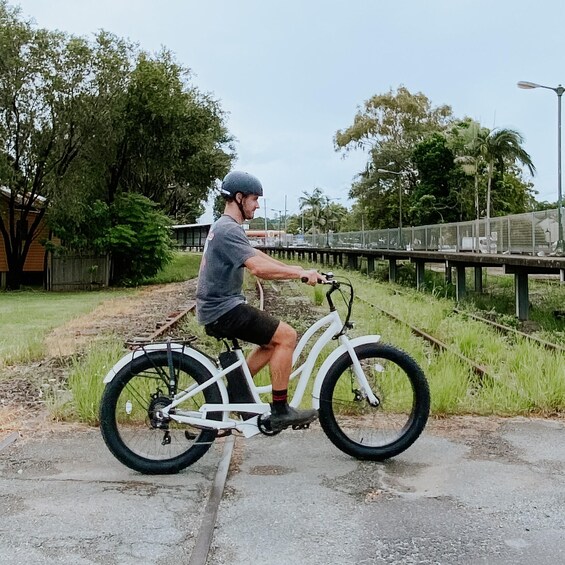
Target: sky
(289,74)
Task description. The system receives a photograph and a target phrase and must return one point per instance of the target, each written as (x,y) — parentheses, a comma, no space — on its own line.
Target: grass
(26,317)
(81,400)
(526,378)
(184,266)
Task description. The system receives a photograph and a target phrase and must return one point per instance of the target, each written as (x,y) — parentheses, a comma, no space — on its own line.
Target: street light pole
(399,177)
(280,217)
(329,201)
(560,248)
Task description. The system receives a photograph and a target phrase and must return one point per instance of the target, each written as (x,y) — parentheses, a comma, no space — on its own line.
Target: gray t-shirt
(220,280)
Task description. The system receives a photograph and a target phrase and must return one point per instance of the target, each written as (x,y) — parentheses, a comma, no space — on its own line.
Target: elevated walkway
(521,266)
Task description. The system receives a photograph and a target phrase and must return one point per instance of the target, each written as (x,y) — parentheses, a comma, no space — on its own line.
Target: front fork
(361,378)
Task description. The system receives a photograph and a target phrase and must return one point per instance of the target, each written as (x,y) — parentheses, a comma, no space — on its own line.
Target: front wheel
(130,408)
(382,431)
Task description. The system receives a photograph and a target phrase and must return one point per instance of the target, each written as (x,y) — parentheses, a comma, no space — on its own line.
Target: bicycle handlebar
(327,280)
(335,285)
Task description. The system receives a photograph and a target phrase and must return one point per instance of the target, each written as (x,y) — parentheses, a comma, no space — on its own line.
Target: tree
(388,128)
(313,205)
(51,100)
(500,147)
(400,119)
(333,214)
(435,197)
(170,142)
(83,122)
(139,239)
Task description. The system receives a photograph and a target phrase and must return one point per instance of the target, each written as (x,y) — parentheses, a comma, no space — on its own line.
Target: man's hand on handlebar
(312,277)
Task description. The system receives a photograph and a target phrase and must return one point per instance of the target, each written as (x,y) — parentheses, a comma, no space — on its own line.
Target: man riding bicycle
(222,308)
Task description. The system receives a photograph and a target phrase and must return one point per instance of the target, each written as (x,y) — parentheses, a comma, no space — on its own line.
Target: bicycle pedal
(223,433)
(301,426)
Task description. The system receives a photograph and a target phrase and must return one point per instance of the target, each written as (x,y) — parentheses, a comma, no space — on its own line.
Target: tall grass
(85,383)
(526,379)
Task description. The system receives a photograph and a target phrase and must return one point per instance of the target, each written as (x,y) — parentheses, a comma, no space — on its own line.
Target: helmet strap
(240,205)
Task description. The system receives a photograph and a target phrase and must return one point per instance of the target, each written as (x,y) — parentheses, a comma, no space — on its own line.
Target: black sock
(280,398)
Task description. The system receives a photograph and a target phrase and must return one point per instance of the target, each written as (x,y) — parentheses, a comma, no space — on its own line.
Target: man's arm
(265,267)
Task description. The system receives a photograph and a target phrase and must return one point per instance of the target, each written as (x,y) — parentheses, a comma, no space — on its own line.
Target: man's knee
(285,335)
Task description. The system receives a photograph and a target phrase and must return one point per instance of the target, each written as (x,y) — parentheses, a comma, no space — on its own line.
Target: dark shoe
(291,417)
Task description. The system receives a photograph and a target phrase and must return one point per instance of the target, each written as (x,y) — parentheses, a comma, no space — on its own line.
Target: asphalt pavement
(471,490)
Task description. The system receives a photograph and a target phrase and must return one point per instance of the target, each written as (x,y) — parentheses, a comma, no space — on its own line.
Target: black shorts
(244,322)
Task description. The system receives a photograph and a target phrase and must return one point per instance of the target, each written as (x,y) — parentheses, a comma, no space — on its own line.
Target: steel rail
(512,331)
(435,342)
(504,329)
(203,543)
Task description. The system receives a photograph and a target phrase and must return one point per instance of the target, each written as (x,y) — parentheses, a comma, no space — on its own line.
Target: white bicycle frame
(249,427)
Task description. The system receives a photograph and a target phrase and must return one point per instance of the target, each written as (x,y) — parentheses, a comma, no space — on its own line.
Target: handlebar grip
(320,281)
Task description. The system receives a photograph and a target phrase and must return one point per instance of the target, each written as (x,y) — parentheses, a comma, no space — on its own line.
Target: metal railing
(532,233)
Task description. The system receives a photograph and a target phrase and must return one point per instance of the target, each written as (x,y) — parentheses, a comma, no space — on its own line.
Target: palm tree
(314,205)
(471,140)
(490,148)
(502,146)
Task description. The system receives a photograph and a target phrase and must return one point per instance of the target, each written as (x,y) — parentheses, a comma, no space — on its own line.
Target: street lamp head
(526,84)
(386,171)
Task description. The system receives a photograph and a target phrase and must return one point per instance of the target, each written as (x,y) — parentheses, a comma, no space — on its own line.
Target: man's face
(250,203)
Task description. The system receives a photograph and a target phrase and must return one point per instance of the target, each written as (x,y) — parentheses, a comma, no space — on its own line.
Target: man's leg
(250,324)
(277,354)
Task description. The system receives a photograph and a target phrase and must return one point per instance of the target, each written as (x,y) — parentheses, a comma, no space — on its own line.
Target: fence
(533,233)
(77,272)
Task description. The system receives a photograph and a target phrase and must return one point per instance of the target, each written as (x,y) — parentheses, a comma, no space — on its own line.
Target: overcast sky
(291,73)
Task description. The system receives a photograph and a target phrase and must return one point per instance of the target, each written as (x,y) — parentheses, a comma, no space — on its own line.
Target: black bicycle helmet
(238,181)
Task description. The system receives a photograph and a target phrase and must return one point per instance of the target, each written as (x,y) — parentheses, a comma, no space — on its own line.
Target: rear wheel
(129,414)
(385,430)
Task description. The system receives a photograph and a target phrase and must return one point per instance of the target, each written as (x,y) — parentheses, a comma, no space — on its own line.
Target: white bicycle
(165,403)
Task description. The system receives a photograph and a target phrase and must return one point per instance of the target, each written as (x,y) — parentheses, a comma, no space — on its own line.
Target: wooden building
(34,266)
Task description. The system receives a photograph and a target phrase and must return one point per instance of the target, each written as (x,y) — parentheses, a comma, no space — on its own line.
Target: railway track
(501,328)
(203,541)
(507,330)
(479,370)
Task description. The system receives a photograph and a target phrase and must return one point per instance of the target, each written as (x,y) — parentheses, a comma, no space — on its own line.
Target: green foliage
(319,295)
(451,169)
(399,118)
(169,141)
(219,206)
(85,231)
(85,383)
(435,197)
(83,121)
(139,239)
(320,213)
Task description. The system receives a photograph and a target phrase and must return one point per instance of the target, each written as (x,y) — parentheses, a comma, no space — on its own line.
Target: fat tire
(111,430)
(416,420)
